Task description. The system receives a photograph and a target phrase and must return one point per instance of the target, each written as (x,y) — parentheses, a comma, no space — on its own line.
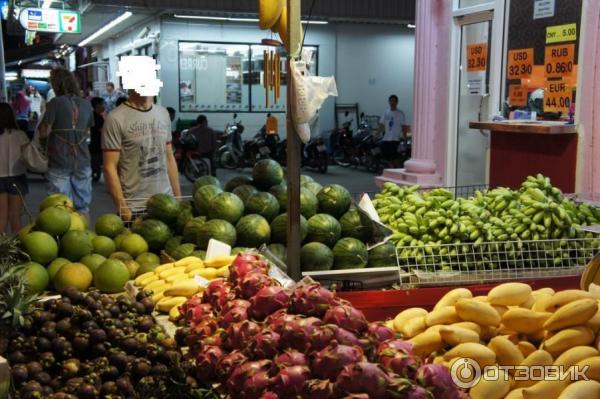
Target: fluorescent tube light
(105,28)
(47,3)
(235,19)
(11,74)
(36,73)
(11,78)
(411,26)
(311,22)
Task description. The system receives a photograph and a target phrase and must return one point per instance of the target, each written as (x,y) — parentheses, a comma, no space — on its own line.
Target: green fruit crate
(475,263)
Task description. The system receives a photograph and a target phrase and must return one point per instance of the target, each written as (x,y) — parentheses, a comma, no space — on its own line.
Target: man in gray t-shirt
(138,159)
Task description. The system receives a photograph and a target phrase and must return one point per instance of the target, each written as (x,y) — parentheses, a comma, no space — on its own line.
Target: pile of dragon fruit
(256,340)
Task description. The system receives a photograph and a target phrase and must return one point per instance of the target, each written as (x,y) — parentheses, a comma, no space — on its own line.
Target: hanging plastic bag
(308,95)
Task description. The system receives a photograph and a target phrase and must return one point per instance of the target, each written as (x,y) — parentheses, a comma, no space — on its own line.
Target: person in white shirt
(36,103)
(391,123)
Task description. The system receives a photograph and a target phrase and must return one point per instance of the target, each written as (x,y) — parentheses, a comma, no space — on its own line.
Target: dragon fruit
(255,385)
(289,381)
(297,334)
(230,362)
(212,340)
(395,345)
(218,293)
(322,336)
(206,362)
(264,345)
(266,301)
(269,395)
(437,379)
(346,337)
(239,334)
(236,303)
(418,392)
(399,362)
(238,380)
(379,332)
(311,300)
(244,264)
(317,389)
(328,362)
(364,378)
(190,304)
(276,321)
(291,358)
(235,315)
(347,317)
(252,283)
(201,330)
(199,313)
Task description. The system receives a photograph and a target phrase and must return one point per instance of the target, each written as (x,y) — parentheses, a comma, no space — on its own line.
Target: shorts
(389,149)
(14,185)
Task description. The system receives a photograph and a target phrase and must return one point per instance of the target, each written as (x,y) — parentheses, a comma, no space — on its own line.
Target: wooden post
(293,150)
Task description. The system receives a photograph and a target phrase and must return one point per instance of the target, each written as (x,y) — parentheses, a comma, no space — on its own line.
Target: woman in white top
(13,178)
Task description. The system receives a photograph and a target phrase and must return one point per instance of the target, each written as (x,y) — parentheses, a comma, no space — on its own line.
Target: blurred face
(393,103)
(110,89)
(99,108)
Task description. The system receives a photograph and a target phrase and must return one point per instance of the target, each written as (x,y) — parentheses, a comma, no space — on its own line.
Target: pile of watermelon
(249,212)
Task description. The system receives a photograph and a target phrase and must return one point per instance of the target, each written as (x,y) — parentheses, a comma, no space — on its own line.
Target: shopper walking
(66,124)
(138,158)
(207,141)
(111,95)
(391,123)
(21,106)
(13,179)
(36,102)
(99,108)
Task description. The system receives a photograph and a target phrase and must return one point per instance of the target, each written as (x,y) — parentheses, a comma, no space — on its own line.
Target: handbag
(35,155)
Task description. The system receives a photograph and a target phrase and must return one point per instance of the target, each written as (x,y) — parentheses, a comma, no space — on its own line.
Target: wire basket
(342,285)
(472,263)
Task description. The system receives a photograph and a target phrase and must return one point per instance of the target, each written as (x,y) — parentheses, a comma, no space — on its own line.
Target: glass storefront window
(471,3)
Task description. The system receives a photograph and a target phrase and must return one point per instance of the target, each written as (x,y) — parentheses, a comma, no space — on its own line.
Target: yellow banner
(561,33)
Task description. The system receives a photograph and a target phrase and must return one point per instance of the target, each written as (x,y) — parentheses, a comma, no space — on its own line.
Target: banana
(186,288)
(167,303)
(187,261)
(219,261)
(174,314)
(169,272)
(154,284)
(210,273)
(164,267)
(176,277)
(148,279)
(194,266)
(143,277)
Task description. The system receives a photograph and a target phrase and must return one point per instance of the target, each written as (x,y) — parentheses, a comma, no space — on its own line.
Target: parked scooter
(343,144)
(188,158)
(314,154)
(230,155)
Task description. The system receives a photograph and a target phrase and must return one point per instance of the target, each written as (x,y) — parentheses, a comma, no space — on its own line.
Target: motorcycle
(189,161)
(230,154)
(314,154)
(343,145)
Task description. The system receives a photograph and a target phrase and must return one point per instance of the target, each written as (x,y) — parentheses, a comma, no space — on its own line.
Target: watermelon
(267,173)
(237,181)
(306,179)
(184,205)
(199,254)
(324,228)
(352,226)
(136,225)
(263,204)
(280,192)
(253,231)
(163,207)
(203,196)
(156,233)
(237,250)
(315,256)
(279,229)
(278,189)
(308,203)
(350,253)
(183,251)
(383,255)
(206,181)
(279,251)
(218,229)
(334,200)
(245,191)
(172,244)
(313,186)
(226,206)
(191,228)
(185,215)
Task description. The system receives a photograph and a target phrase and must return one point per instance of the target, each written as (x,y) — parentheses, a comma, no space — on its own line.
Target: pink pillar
(588,101)
(431,90)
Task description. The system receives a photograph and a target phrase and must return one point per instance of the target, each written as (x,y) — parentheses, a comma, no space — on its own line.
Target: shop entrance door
(473,92)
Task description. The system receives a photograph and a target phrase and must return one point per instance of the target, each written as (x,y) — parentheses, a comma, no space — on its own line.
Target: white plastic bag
(308,95)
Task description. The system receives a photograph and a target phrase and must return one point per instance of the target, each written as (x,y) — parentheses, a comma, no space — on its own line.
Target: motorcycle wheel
(227,160)
(339,157)
(195,168)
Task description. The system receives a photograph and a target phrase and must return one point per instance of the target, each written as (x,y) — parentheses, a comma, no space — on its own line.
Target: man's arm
(111,175)
(173,171)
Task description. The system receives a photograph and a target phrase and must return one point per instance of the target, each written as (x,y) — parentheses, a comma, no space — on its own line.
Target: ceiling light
(105,28)
(11,78)
(11,74)
(235,19)
(36,73)
(411,26)
(47,3)
(311,22)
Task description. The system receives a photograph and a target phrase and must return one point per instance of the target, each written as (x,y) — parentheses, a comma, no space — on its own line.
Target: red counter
(518,150)
(382,305)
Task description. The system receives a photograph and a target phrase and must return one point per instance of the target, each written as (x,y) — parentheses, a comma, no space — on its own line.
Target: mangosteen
(62,348)
(47,391)
(118,323)
(130,345)
(31,386)
(173,356)
(148,304)
(30,345)
(124,385)
(159,370)
(43,378)
(141,295)
(48,330)
(81,342)
(41,316)
(83,315)
(63,395)
(114,310)
(73,294)
(119,361)
(47,360)
(110,373)
(97,336)
(50,304)
(139,307)
(19,373)
(43,344)
(109,388)
(103,314)
(169,343)
(89,325)
(191,382)
(99,349)
(34,368)
(71,368)
(63,326)
(55,383)
(72,385)
(114,333)
(87,391)
(86,367)
(94,294)
(145,324)
(17,357)
(64,309)
(141,368)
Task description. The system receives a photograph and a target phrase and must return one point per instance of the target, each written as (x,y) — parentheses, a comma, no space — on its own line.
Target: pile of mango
(529,227)
(511,326)
(171,284)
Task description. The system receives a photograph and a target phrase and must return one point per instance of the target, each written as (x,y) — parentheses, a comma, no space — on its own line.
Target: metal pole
(3,92)
(293,151)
